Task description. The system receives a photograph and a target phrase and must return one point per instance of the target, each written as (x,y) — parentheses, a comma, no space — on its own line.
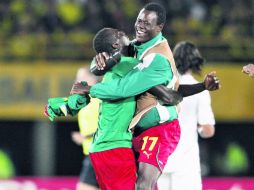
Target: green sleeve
(146,75)
(172,112)
(126,65)
(152,118)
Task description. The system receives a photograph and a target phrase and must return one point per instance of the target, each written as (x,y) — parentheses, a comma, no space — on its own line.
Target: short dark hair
(104,39)
(159,10)
(187,57)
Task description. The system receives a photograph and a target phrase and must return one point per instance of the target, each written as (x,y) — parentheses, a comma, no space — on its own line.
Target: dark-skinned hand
(211,82)
(100,60)
(79,88)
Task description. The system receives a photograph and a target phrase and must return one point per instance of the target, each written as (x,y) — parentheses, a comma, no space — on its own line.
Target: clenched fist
(211,82)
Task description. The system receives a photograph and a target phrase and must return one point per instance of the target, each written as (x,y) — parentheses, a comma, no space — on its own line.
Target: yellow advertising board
(25,89)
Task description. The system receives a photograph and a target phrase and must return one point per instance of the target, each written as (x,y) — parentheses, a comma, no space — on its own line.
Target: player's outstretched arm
(210,83)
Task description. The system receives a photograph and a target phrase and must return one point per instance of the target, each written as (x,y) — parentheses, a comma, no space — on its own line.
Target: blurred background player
(87,121)
(182,171)
(249,69)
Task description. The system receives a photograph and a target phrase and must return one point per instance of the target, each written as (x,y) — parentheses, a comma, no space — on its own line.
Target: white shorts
(180,181)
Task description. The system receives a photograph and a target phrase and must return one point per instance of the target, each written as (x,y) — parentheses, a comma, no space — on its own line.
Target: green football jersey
(115,116)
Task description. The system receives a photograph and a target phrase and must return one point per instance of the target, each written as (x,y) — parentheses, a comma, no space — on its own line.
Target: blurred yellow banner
(25,89)
(234,101)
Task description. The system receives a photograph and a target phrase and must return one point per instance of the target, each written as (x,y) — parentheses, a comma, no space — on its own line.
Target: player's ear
(160,27)
(116,45)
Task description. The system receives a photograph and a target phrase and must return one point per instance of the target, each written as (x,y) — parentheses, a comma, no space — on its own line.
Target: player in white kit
(182,171)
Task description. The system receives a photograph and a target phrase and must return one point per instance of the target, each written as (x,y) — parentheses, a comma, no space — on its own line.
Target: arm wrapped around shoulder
(165,95)
(191,89)
(109,63)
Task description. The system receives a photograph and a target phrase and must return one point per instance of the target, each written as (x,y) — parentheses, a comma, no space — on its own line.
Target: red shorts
(156,144)
(115,169)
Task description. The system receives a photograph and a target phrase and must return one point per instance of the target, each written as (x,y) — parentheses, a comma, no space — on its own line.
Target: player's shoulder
(155,58)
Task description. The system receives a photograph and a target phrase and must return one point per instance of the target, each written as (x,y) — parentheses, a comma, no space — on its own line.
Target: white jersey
(182,171)
(194,110)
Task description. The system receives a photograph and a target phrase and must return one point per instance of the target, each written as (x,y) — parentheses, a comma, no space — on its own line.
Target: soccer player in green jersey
(111,154)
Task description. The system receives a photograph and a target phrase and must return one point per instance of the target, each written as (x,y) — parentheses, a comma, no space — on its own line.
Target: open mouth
(140,33)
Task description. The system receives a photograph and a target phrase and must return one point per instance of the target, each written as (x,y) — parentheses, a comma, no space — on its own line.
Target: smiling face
(146,26)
